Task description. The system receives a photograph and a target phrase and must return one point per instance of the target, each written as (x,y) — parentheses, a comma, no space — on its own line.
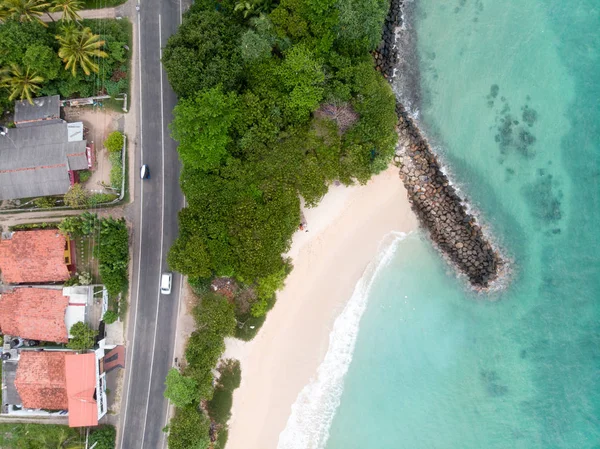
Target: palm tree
(78,49)
(69,9)
(22,84)
(26,10)
(68,30)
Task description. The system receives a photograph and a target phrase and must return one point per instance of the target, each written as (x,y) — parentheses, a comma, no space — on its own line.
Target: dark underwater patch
(529,115)
(543,200)
(490,380)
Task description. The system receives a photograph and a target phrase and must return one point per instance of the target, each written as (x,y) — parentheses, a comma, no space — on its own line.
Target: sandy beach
(345,232)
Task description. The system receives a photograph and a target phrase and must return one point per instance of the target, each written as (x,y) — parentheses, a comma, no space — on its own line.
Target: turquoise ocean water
(510,95)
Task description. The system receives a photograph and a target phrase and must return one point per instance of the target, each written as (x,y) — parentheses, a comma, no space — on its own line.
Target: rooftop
(81,389)
(35,161)
(35,314)
(33,257)
(57,380)
(44,109)
(41,380)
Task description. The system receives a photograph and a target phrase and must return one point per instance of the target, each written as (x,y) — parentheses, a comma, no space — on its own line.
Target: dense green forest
(70,57)
(277,99)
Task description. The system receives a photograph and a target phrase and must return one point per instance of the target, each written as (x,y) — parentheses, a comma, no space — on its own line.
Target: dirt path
(7,220)
(104,13)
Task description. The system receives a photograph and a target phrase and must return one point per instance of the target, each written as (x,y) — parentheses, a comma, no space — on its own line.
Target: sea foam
(314,409)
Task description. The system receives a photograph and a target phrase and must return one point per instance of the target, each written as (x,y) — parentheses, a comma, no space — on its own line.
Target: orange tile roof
(81,386)
(34,313)
(41,381)
(33,256)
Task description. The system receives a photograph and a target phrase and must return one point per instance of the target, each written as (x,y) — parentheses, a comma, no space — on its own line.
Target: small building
(47,313)
(43,111)
(35,257)
(40,161)
(42,383)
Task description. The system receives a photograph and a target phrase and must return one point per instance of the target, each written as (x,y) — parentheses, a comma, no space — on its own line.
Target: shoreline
(345,233)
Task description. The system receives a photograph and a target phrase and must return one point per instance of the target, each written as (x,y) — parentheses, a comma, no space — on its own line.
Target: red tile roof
(34,313)
(33,256)
(59,380)
(41,380)
(81,386)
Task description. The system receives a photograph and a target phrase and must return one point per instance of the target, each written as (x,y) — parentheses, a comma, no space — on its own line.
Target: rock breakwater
(441,210)
(435,202)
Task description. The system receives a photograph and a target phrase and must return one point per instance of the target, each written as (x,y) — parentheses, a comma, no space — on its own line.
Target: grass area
(40,436)
(85,260)
(47,436)
(98,4)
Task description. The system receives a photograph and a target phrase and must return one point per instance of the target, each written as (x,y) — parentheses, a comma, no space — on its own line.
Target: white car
(165,283)
(145,172)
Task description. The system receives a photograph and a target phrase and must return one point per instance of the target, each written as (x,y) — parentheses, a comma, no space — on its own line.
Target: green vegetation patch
(46,436)
(277,100)
(38,59)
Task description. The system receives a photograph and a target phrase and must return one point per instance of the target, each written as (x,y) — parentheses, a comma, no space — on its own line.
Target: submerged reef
(439,208)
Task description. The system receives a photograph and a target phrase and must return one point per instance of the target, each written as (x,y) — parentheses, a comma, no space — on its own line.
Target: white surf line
(162,223)
(137,294)
(315,406)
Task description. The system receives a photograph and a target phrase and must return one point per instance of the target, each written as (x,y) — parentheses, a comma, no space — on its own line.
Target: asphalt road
(153,317)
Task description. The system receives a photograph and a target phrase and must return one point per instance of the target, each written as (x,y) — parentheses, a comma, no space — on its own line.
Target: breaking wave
(314,409)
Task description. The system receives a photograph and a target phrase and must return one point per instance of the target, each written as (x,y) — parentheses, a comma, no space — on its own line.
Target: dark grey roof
(34,161)
(9,372)
(44,109)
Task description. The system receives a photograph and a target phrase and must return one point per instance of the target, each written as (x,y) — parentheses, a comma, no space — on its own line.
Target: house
(43,111)
(38,383)
(47,313)
(40,157)
(35,257)
(35,314)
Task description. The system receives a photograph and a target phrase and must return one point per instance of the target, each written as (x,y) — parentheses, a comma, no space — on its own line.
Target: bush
(101,198)
(44,202)
(189,429)
(116,170)
(77,196)
(114,142)
(181,390)
(110,316)
(112,251)
(83,337)
(84,175)
(219,407)
(104,437)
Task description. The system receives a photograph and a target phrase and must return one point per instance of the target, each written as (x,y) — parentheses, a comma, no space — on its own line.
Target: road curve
(153,317)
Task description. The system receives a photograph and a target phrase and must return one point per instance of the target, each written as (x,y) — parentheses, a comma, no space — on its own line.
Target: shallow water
(509,94)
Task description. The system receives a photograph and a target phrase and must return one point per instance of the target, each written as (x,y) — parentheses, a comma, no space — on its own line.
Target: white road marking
(164,445)
(137,295)
(162,224)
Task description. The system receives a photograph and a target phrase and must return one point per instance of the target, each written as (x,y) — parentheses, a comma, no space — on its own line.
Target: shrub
(84,175)
(219,407)
(44,202)
(181,390)
(114,142)
(189,429)
(116,170)
(101,198)
(103,437)
(110,316)
(83,337)
(112,251)
(77,196)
